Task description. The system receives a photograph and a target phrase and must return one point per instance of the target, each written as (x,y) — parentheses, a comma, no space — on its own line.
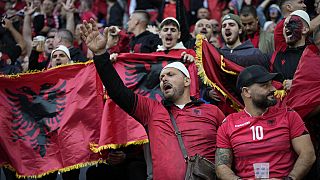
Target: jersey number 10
(257,132)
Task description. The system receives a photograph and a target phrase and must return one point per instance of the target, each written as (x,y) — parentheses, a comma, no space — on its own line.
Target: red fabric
(100,7)
(304,94)
(139,72)
(280,42)
(211,60)
(263,139)
(49,118)
(255,39)
(198,126)
(169,11)
(123,44)
(87,15)
(215,7)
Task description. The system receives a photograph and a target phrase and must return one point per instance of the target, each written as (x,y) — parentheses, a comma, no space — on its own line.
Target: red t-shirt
(280,42)
(263,139)
(198,124)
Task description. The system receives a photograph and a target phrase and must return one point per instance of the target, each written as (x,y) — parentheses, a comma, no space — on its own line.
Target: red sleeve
(219,116)
(280,44)
(145,108)
(223,139)
(296,125)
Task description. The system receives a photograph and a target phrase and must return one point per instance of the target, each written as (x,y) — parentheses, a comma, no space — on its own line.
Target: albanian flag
(219,73)
(48,119)
(139,72)
(304,94)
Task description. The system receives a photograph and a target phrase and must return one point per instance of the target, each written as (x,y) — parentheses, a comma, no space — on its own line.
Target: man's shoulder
(235,116)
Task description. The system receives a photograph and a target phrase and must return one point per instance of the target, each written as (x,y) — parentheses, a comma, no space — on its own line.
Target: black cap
(255,74)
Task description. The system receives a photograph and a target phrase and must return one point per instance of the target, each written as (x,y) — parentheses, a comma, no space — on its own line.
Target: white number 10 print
(257,132)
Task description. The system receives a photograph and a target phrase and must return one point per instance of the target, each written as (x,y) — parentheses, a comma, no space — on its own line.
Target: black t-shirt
(145,42)
(287,62)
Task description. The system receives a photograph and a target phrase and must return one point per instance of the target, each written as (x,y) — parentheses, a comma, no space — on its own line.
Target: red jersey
(198,123)
(280,42)
(263,139)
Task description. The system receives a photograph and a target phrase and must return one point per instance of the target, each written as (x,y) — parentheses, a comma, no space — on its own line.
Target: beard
(263,102)
(175,94)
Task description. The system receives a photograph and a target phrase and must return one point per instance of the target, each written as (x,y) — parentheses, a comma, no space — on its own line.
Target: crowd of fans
(40,34)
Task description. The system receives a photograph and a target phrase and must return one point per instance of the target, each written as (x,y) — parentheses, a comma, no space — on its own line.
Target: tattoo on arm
(224,157)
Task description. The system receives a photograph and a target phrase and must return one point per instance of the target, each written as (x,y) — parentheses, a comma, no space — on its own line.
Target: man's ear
(187,81)
(305,30)
(240,30)
(246,92)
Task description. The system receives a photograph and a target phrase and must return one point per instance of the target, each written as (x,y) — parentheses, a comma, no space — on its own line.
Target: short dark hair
(282,2)
(248,10)
(145,16)
(66,35)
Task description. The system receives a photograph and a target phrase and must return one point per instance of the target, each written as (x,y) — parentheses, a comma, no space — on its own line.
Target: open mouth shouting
(167,87)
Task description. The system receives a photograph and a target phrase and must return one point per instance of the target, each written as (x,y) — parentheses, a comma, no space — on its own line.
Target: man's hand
(113,57)
(187,57)
(116,157)
(214,95)
(29,9)
(112,36)
(287,84)
(90,34)
(7,24)
(68,6)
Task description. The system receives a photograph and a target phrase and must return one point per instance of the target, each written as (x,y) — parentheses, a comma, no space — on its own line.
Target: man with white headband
(197,122)
(295,30)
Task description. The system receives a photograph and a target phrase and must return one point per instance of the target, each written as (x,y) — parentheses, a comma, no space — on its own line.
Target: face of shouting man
(169,35)
(230,31)
(204,27)
(173,83)
(292,30)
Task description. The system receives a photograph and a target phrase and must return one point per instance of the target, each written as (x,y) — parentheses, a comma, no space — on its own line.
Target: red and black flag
(139,72)
(49,118)
(219,73)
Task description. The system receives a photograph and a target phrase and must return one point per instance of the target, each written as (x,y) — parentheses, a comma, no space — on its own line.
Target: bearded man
(263,141)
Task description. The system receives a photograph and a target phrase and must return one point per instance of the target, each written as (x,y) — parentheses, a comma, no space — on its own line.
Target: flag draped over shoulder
(304,94)
(48,119)
(219,73)
(139,72)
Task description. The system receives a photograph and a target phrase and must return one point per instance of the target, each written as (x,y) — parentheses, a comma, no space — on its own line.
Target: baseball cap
(234,17)
(302,14)
(179,66)
(255,74)
(62,48)
(172,19)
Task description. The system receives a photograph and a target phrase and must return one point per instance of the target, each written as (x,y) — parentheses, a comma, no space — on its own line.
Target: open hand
(90,34)
(29,9)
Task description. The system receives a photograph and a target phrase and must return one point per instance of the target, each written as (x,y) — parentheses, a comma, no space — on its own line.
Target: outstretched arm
(117,91)
(224,159)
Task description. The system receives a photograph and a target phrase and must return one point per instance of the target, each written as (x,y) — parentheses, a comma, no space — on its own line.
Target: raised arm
(117,91)
(27,29)
(69,8)
(16,35)
(224,160)
(302,145)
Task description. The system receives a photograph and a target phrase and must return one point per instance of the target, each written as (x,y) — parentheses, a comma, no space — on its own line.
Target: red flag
(139,72)
(219,73)
(49,118)
(304,94)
